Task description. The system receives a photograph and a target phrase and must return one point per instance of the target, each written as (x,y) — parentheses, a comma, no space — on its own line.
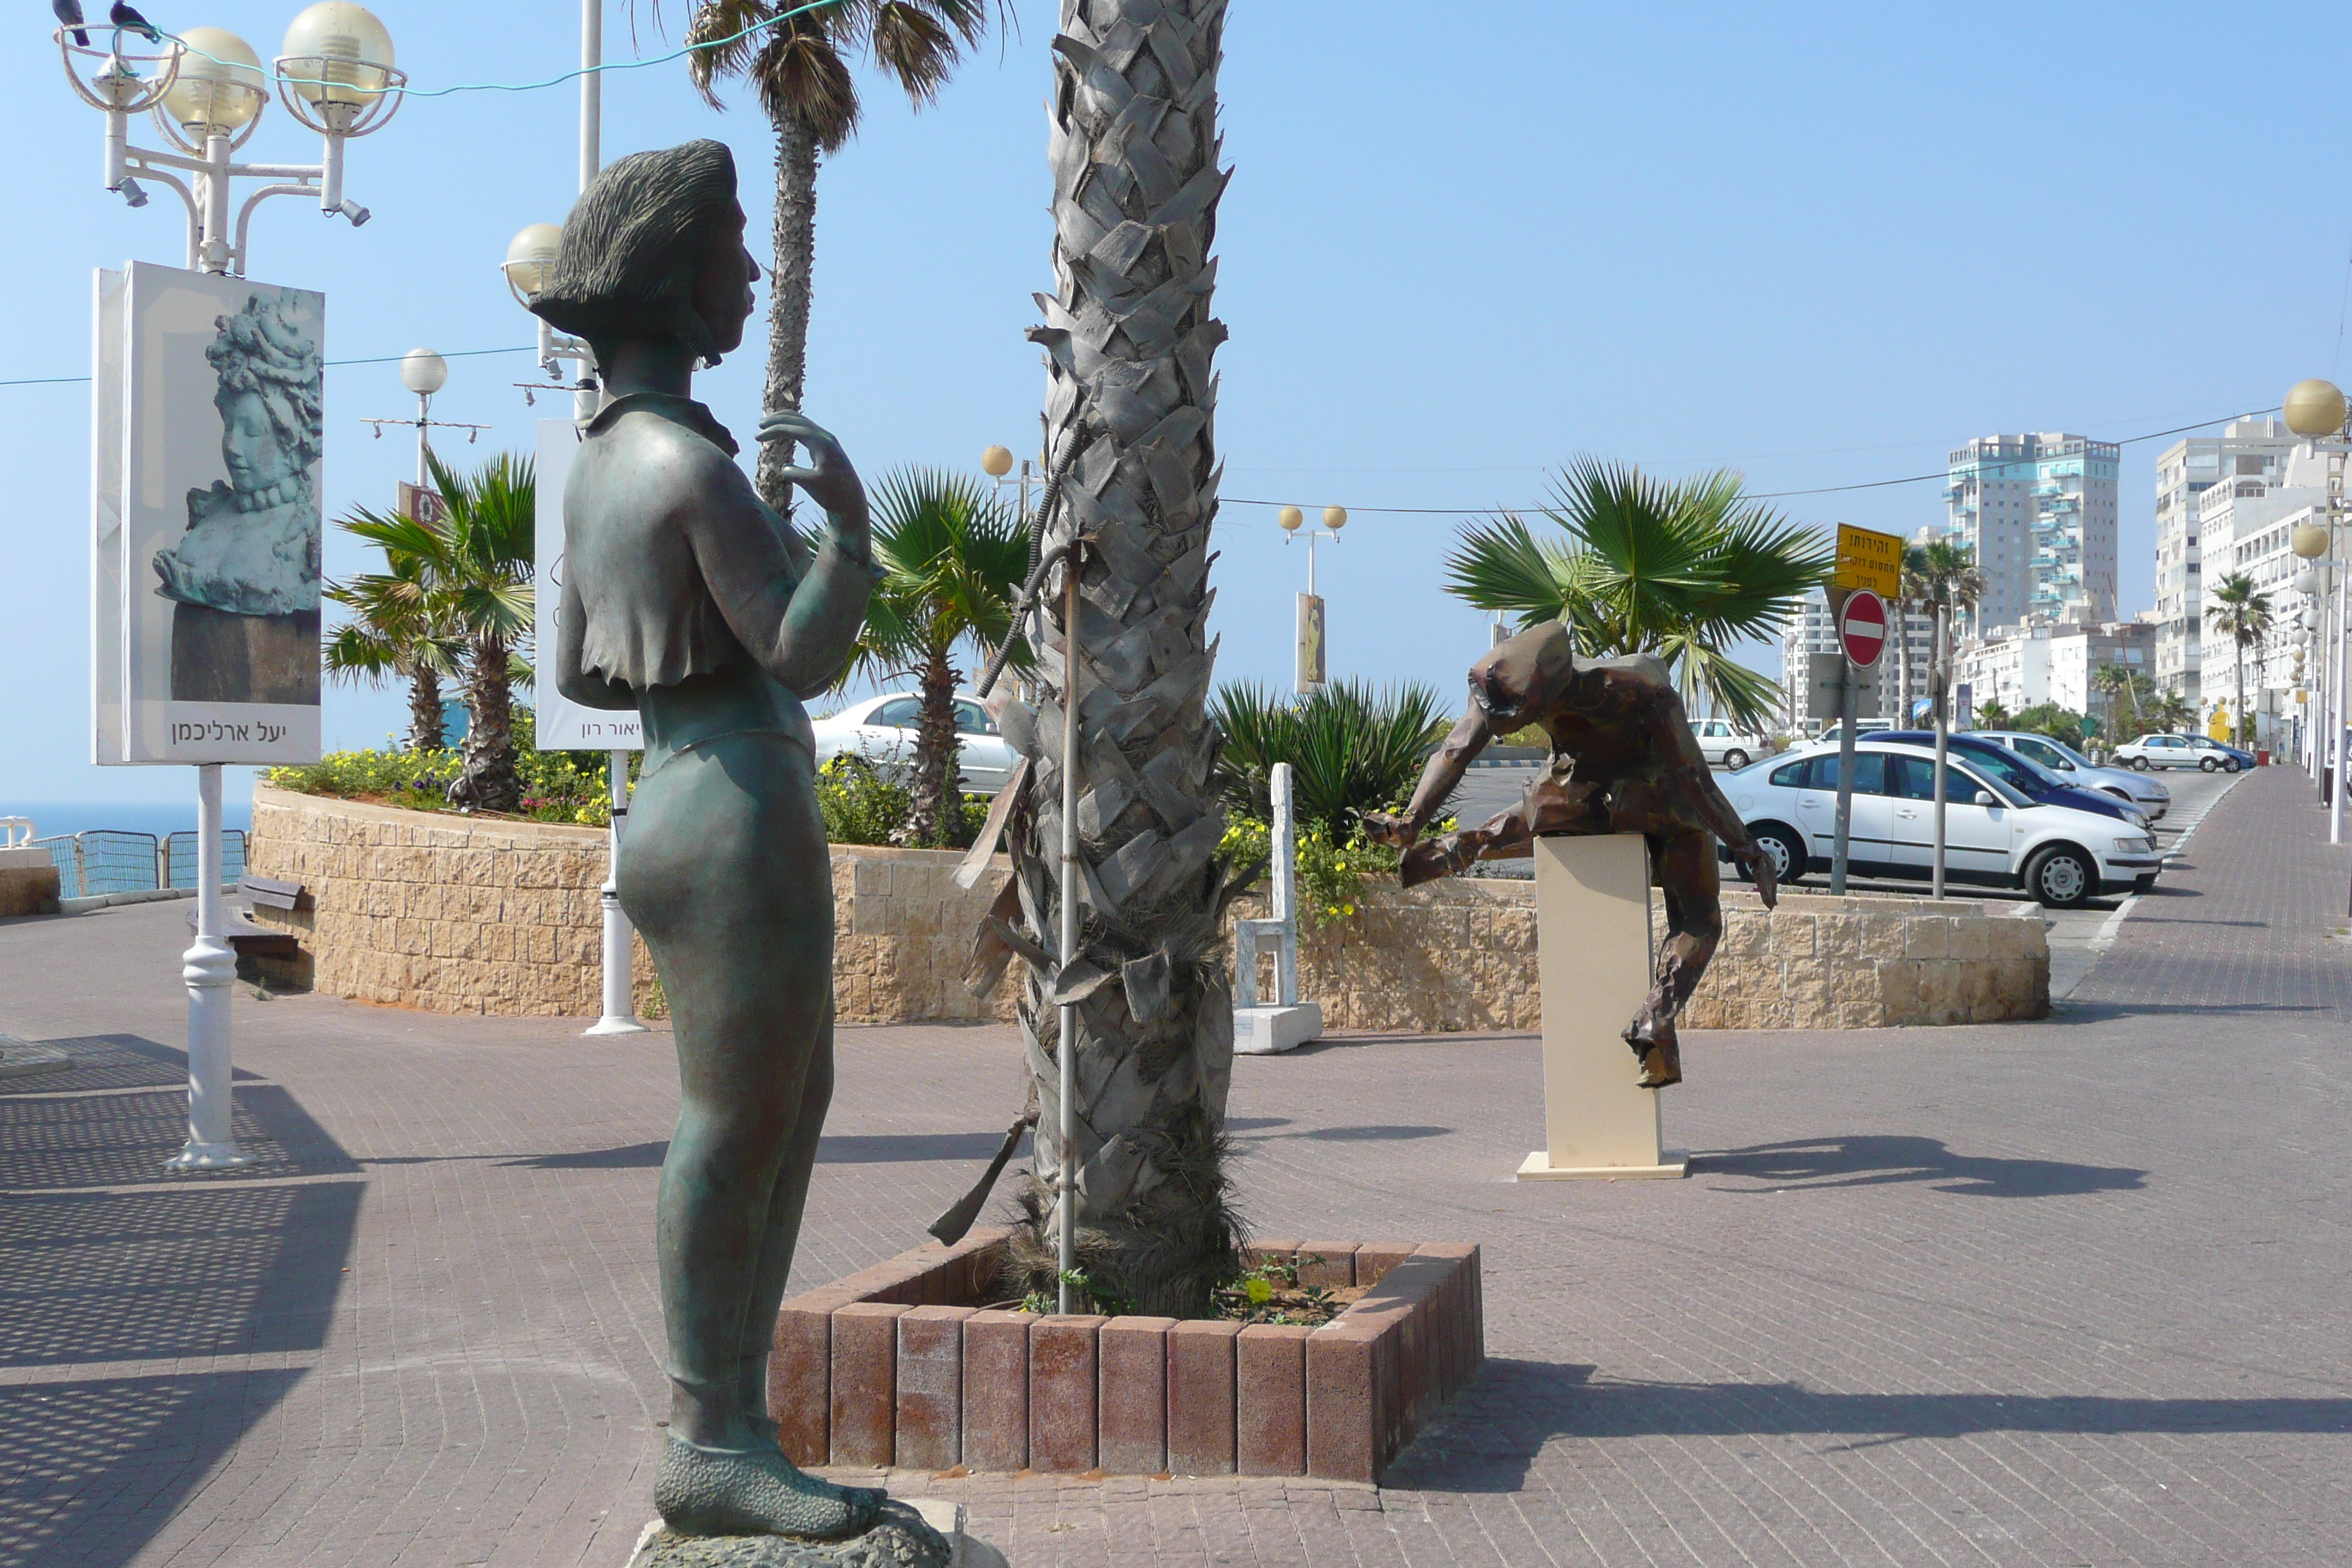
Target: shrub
(1352,749)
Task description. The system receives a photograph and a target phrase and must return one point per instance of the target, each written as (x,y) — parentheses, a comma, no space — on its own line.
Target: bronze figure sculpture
(686,597)
(1623,760)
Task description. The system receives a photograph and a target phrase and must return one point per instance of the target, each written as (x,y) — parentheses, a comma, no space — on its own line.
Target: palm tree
(476,569)
(396,631)
(801,69)
(1950,582)
(1913,590)
(953,558)
(2242,612)
(1680,569)
(2173,712)
(1993,712)
(1130,339)
(2111,680)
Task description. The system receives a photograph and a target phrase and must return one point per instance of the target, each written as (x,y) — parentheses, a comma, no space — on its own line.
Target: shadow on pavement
(1818,1164)
(205,1268)
(1488,1438)
(113,1061)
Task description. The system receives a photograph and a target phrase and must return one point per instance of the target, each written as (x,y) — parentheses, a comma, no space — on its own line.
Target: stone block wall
(1460,954)
(456,914)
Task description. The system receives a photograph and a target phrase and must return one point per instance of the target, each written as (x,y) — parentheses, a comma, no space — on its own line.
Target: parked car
(882,729)
(2142,790)
(2180,751)
(2024,774)
(1725,745)
(1829,737)
(1996,835)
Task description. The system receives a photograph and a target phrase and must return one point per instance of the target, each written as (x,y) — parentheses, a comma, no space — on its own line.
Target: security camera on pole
(207,89)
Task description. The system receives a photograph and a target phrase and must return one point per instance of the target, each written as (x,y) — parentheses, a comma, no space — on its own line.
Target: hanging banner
(565,725)
(107,465)
(1314,651)
(221,432)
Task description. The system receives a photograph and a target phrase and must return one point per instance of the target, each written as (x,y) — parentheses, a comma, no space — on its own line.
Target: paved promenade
(2065,1293)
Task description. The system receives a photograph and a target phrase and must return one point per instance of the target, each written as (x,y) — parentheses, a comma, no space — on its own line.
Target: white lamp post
(425,373)
(206,92)
(1292,521)
(2315,411)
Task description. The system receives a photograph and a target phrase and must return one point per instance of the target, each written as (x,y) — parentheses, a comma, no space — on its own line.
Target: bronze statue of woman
(685,597)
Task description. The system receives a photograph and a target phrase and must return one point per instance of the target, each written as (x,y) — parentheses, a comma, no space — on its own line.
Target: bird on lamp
(128,20)
(69,12)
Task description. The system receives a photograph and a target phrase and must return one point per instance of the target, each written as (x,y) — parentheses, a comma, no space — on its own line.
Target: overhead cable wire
(372,359)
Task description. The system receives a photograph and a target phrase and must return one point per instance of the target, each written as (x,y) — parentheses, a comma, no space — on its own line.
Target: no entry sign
(1861,628)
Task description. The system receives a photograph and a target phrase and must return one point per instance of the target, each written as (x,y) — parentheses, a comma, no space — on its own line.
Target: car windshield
(2067,752)
(2022,773)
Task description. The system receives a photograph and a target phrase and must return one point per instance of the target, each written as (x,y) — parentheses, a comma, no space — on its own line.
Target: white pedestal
(1592,937)
(1265,1031)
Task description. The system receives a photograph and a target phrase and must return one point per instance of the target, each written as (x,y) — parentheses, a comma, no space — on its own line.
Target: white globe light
(1335,518)
(337,53)
(2306,582)
(424,372)
(996,462)
(1291,519)
(531,257)
(221,86)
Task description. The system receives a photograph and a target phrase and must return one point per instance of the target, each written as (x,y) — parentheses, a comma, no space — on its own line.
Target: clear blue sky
(1820,244)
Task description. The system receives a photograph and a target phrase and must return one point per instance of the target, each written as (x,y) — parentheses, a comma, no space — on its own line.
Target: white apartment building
(2038,510)
(2247,524)
(2249,453)
(1810,631)
(2024,667)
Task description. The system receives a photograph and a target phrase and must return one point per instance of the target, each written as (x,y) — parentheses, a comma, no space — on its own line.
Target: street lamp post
(206,90)
(425,373)
(2315,411)
(1292,519)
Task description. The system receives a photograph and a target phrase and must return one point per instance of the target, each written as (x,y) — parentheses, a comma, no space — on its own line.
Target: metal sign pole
(1847,684)
(1943,676)
(1068,939)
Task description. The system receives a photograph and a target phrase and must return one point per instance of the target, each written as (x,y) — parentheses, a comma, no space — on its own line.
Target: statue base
(921,1533)
(1593,957)
(1265,1031)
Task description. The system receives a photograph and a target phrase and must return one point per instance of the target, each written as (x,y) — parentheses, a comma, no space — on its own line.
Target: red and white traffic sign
(1861,628)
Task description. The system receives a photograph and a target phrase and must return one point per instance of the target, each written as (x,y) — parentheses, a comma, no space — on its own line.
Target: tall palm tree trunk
(792,279)
(931,820)
(1130,338)
(425,732)
(487,781)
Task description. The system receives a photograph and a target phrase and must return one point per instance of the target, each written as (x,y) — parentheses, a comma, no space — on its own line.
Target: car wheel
(2061,879)
(2207,765)
(1735,759)
(2230,764)
(2139,763)
(1788,852)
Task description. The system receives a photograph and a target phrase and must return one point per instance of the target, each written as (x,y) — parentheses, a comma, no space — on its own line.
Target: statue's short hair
(634,244)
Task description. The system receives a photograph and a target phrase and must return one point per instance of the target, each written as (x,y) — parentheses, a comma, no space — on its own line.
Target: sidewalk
(2058,1293)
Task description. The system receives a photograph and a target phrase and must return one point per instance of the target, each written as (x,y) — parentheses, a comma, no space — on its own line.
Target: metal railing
(106,861)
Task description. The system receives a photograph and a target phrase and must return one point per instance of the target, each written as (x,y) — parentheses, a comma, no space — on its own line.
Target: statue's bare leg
(1685,870)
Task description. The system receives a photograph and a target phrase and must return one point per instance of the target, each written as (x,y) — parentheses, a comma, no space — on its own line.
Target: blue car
(2031,778)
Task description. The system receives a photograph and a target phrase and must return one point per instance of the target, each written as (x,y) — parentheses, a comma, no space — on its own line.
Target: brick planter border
(897,1365)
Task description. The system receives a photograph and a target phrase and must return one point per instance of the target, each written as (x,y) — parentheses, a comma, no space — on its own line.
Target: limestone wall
(455,914)
(1461,954)
(460,915)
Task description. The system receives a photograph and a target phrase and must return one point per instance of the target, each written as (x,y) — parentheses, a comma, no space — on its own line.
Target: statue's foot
(870,1498)
(755,1491)
(1662,1064)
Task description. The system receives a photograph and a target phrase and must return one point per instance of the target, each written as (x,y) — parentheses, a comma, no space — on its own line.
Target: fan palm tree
(396,631)
(1680,569)
(1130,339)
(475,569)
(2242,612)
(2114,680)
(953,558)
(1950,583)
(1912,583)
(2172,712)
(799,68)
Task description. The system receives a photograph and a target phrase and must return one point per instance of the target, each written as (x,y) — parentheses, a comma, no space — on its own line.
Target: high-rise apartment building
(2038,512)
(2251,455)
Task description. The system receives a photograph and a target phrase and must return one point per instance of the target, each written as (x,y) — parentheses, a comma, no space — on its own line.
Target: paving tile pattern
(2064,1294)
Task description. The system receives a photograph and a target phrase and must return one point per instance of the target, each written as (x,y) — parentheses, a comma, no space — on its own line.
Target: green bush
(2063,724)
(862,804)
(557,787)
(1352,749)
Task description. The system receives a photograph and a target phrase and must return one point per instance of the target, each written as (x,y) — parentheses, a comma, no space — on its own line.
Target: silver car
(2142,790)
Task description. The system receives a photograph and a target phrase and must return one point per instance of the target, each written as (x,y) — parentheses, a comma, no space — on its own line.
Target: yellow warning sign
(1869,560)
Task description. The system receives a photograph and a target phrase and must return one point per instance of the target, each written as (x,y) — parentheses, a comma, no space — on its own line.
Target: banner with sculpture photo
(222,429)
(565,725)
(1314,645)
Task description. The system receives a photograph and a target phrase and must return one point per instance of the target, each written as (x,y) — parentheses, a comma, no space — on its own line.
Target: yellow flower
(1258,1291)
(1340,865)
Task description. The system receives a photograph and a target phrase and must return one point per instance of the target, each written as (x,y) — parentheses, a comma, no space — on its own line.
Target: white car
(1994,835)
(2073,767)
(2176,752)
(1725,745)
(882,729)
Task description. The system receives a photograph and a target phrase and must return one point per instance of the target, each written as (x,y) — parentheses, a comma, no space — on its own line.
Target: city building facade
(2252,455)
(2025,665)
(2038,512)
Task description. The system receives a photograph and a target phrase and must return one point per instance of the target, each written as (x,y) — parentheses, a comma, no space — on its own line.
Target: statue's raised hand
(829,478)
(1762,869)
